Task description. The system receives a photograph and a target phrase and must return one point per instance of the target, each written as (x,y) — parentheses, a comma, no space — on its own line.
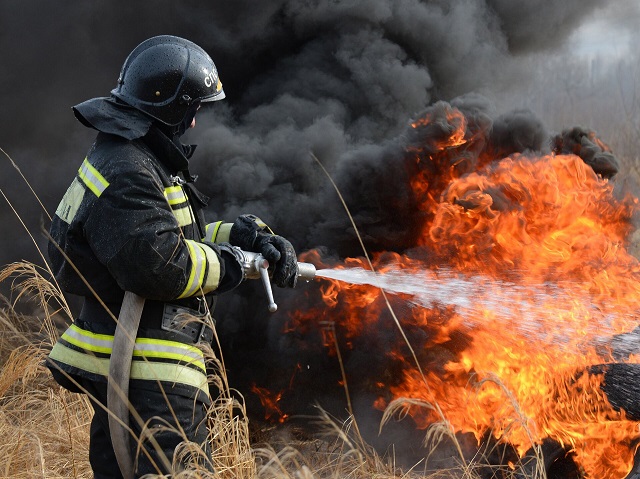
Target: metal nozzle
(264,275)
(306,271)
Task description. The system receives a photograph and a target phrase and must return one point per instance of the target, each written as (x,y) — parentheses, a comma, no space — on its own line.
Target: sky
(611,32)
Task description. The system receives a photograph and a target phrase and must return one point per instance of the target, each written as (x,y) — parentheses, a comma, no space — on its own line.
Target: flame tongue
(545,236)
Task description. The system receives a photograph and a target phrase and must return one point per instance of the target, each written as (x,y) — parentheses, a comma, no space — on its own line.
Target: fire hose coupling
(256,267)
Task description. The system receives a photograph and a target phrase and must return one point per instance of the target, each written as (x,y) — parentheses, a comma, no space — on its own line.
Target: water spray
(505,301)
(480,298)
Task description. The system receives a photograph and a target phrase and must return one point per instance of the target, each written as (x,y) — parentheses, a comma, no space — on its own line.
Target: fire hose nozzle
(306,271)
(256,266)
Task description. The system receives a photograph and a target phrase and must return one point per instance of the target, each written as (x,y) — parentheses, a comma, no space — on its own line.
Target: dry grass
(44,429)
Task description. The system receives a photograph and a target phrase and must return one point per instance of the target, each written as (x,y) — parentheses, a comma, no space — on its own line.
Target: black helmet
(165,76)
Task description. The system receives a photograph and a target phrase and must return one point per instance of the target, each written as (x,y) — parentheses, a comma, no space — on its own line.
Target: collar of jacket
(109,115)
(173,154)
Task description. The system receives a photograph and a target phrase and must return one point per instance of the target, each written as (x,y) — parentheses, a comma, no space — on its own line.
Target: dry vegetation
(44,429)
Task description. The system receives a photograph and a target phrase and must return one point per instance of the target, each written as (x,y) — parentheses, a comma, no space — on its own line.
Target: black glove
(231,269)
(279,252)
(251,234)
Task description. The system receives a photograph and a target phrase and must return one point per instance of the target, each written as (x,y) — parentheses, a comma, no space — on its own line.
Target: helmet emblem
(211,79)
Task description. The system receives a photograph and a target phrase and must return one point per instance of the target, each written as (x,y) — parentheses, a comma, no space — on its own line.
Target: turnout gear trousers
(169,418)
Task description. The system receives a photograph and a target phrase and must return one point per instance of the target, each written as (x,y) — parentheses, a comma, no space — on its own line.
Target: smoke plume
(339,79)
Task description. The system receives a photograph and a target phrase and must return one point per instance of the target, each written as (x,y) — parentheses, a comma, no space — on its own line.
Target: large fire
(545,238)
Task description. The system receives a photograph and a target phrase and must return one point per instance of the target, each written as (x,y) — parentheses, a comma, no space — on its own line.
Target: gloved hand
(279,252)
(250,233)
(231,269)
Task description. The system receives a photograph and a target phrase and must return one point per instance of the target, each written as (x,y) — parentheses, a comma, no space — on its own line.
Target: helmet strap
(189,115)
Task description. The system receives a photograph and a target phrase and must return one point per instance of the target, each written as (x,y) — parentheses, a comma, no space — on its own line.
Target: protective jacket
(131,220)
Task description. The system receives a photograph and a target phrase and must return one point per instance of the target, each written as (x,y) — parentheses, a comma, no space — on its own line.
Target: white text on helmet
(211,79)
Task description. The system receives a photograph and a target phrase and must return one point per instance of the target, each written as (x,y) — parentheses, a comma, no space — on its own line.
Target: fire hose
(255,266)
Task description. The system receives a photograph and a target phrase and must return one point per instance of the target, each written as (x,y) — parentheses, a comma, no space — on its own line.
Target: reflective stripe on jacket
(153,359)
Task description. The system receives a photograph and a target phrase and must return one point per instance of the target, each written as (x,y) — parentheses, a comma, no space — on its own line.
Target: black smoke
(341,80)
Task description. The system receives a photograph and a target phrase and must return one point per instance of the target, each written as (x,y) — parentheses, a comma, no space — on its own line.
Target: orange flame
(270,402)
(456,128)
(546,238)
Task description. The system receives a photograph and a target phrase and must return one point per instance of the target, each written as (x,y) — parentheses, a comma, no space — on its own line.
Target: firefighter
(132,221)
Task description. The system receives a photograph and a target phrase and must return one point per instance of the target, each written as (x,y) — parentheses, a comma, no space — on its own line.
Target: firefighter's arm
(133,232)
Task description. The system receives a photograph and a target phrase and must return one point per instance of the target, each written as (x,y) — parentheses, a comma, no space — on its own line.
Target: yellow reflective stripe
(159,348)
(183,216)
(198,268)
(146,370)
(223,233)
(213,270)
(175,373)
(211,231)
(98,343)
(144,347)
(92,178)
(260,223)
(175,195)
(71,201)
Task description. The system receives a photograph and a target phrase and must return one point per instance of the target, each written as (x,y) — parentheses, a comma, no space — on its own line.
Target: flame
(455,127)
(544,240)
(271,401)
(270,404)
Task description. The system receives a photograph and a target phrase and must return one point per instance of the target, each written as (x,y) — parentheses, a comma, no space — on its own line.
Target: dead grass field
(44,429)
